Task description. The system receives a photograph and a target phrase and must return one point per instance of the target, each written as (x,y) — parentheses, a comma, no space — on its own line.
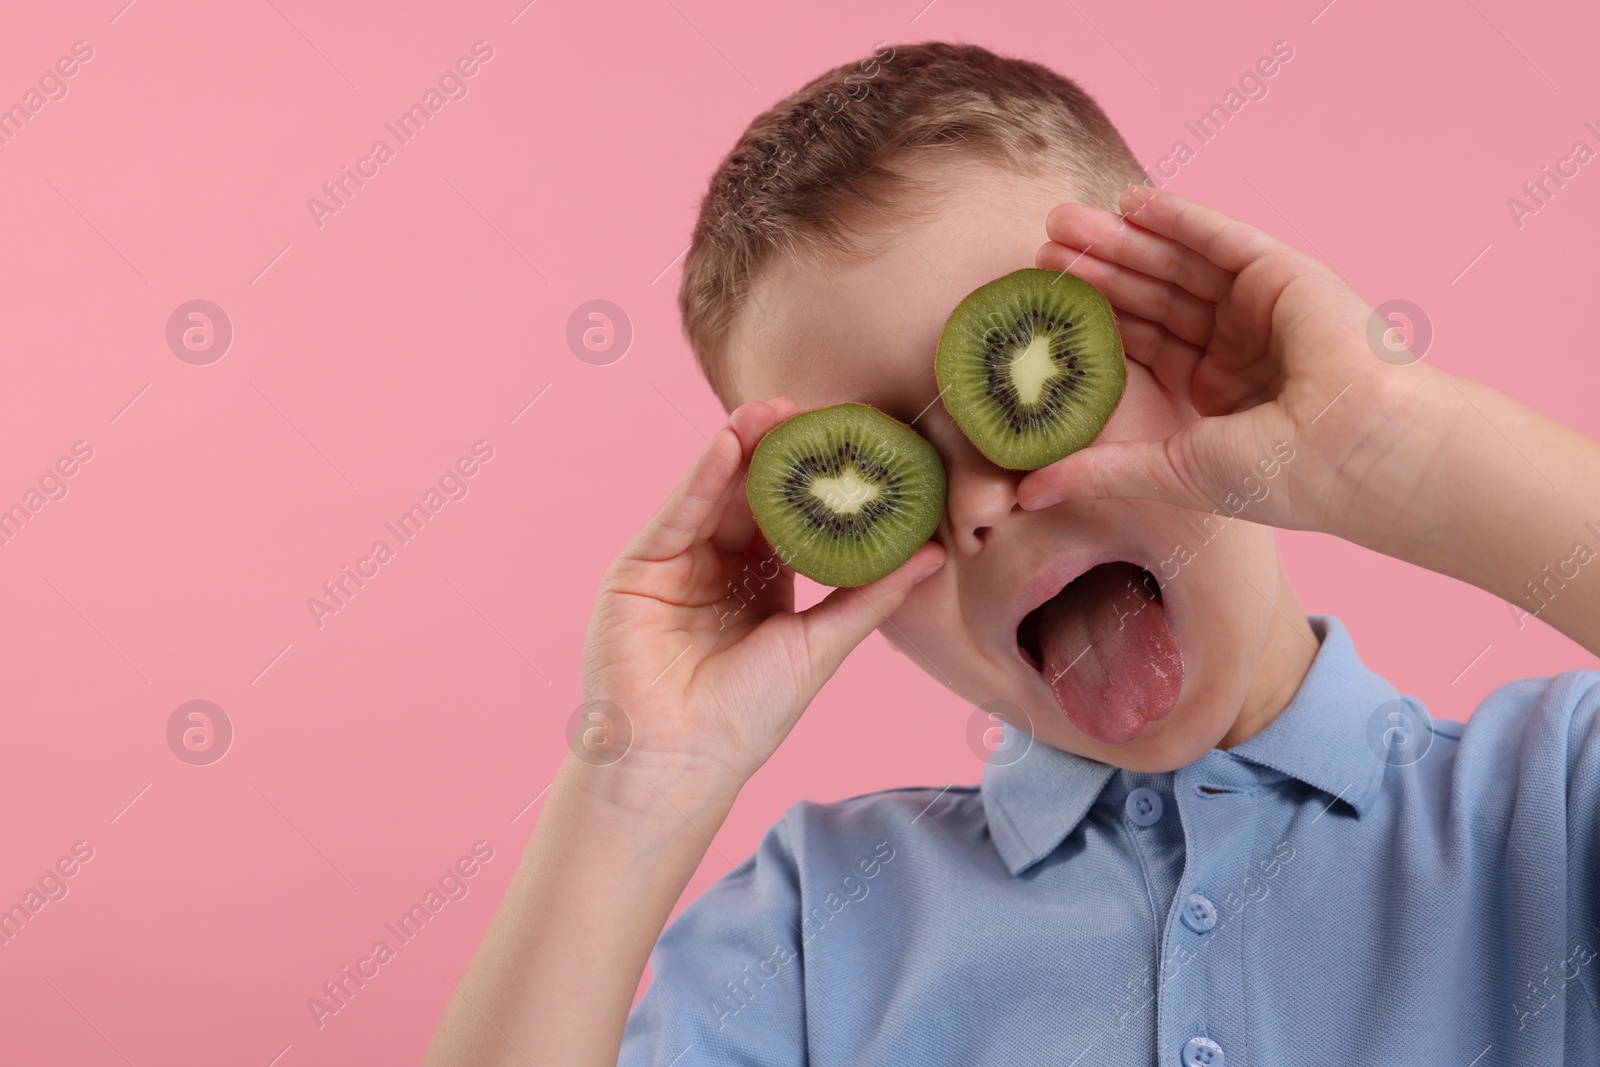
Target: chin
(1176,741)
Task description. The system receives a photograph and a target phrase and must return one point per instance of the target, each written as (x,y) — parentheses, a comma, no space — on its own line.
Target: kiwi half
(845,494)
(1030,366)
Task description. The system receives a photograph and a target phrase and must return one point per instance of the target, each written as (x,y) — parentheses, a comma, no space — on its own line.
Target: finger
(1179,310)
(844,618)
(1127,470)
(686,517)
(750,422)
(1113,237)
(1212,385)
(1224,241)
(1170,359)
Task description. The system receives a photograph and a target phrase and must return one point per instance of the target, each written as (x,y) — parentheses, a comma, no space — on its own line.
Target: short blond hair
(866,133)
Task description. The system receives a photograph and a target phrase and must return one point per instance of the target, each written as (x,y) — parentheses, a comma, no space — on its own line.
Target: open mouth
(1104,647)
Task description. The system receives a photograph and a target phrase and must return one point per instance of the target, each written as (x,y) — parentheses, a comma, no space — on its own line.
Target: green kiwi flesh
(1030,366)
(845,494)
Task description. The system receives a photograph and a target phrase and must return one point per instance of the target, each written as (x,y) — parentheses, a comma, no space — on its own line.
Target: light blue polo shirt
(1353,885)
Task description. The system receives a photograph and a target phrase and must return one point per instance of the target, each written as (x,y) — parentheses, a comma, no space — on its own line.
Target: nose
(979,496)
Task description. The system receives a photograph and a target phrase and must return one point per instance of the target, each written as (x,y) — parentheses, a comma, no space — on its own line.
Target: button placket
(1145,815)
(1202,982)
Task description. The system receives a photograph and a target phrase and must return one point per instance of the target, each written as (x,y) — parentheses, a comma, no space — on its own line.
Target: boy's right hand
(699,644)
(710,684)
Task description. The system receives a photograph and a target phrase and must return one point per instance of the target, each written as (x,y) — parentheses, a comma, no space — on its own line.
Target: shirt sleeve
(726,974)
(1583,820)
(1531,753)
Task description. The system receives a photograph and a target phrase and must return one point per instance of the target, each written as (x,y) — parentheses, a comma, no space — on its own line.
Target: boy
(1262,856)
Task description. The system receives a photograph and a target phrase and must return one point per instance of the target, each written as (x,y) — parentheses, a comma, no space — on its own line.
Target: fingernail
(1043,502)
(928,572)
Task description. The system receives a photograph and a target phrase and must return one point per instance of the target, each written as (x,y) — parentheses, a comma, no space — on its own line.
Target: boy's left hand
(1271,349)
(1236,323)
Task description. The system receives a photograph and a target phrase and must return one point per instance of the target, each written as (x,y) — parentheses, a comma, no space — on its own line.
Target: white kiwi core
(845,493)
(1032,369)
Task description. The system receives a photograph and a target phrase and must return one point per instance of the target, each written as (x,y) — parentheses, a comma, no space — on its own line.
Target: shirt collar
(1033,802)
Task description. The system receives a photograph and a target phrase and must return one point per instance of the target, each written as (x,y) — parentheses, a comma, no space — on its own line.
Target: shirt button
(1198,914)
(1202,1052)
(1144,807)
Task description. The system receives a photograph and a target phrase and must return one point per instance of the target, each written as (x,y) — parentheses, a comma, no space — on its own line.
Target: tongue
(1109,655)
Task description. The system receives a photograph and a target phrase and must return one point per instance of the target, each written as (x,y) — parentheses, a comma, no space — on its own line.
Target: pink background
(370,353)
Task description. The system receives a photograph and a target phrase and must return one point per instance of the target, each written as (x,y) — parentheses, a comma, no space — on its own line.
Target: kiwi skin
(849,541)
(1079,397)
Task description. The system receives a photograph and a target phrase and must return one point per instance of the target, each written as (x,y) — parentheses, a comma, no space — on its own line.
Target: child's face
(866,330)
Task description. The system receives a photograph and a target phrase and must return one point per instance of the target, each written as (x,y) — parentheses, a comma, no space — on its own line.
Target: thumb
(844,618)
(1130,470)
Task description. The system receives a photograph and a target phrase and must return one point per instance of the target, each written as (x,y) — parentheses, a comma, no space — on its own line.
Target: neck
(1290,647)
